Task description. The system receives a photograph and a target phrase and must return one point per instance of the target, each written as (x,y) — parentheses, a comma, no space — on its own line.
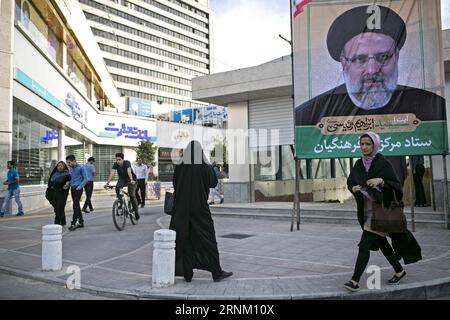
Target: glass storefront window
(34,148)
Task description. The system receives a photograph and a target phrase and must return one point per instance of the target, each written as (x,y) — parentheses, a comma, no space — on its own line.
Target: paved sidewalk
(268,261)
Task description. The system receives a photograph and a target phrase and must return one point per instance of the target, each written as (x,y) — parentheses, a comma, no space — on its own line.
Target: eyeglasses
(361,59)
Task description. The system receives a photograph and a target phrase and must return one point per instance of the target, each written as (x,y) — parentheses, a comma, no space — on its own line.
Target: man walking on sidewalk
(89,167)
(13,189)
(141,171)
(77,184)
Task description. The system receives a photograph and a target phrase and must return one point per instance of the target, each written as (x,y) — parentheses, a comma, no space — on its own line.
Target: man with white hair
(369,56)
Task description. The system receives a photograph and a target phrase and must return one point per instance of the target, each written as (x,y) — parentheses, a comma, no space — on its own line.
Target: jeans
(215,193)
(140,189)
(89,189)
(76,196)
(8,195)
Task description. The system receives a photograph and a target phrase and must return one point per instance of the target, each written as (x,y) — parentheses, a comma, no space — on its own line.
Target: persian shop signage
(128,132)
(72,108)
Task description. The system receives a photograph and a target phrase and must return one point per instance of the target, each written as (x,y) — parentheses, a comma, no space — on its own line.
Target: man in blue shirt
(77,183)
(89,167)
(13,189)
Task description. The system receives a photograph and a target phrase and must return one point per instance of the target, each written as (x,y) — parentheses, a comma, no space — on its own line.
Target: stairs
(320,213)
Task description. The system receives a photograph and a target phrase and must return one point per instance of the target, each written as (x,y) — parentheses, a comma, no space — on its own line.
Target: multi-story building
(58,98)
(153,49)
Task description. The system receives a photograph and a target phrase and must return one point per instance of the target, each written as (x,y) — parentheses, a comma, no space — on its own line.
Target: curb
(418,291)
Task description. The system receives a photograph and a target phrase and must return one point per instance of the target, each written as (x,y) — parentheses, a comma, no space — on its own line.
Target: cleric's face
(370,69)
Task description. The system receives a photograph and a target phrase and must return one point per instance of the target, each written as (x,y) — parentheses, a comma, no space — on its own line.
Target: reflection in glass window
(34,148)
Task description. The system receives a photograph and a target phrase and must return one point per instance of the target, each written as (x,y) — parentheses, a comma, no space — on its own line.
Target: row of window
(142,34)
(151,85)
(141,58)
(152,97)
(188,7)
(181,14)
(137,20)
(163,18)
(146,47)
(147,72)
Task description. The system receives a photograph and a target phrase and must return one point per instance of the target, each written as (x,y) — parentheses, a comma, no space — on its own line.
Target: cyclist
(126,178)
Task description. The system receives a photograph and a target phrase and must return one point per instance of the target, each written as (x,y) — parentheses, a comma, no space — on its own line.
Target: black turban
(354,21)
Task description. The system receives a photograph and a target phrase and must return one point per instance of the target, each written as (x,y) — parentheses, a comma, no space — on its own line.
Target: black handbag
(169,203)
(390,219)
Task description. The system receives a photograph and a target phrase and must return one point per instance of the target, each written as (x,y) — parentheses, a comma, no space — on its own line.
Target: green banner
(426,140)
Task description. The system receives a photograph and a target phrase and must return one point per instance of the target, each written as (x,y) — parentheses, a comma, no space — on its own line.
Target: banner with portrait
(368,66)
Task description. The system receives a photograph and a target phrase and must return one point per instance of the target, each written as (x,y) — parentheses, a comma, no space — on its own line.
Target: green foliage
(146,150)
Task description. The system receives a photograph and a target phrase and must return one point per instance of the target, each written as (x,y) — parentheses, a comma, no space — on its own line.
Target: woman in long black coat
(196,246)
(373,179)
(58,190)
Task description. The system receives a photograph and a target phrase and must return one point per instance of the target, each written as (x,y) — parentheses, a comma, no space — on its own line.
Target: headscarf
(367,160)
(55,170)
(193,154)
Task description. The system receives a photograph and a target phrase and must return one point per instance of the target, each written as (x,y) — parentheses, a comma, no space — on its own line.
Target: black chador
(196,246)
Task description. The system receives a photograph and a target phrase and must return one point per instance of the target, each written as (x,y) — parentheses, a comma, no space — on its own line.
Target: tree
(146,150)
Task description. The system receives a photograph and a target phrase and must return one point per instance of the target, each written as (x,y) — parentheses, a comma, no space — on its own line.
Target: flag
(297,6)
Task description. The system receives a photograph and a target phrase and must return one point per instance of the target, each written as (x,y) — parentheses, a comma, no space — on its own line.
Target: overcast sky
(246,31)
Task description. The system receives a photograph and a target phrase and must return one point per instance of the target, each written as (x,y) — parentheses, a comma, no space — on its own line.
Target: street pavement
(268,261)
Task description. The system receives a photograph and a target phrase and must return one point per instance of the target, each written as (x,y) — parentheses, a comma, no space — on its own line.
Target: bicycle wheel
(119,216)
(131,214)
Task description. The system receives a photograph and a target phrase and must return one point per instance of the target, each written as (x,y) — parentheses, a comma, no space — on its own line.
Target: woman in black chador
(58,190)
(373,179)
(196,246)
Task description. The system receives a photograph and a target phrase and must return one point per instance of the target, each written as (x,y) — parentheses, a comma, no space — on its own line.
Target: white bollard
(51,247)
(163,268)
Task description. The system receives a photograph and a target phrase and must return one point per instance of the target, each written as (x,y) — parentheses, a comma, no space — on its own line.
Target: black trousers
(59,206)
(370,241)
(140,189)
(76,197)
(418,185)
(89,189)
(132,192)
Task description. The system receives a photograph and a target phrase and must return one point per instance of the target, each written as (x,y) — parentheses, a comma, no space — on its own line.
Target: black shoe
(221,201)
(223,276)
(351,286)
(80,225)
(396,279)
(212,202)
(188,278)
(142,205)
(91,209)
(72,227)
(85,211)
(137,217)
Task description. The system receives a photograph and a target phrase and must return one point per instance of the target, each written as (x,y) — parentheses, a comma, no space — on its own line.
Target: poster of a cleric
(368,66)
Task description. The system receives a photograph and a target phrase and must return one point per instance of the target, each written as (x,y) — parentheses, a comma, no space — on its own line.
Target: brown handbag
(389,220)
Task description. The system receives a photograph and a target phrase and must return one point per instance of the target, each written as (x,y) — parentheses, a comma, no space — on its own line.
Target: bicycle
(122,209)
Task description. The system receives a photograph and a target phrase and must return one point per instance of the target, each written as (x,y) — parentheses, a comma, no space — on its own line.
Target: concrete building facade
(153,48)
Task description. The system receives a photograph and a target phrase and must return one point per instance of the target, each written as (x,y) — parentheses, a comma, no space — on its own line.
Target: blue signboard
(49,136)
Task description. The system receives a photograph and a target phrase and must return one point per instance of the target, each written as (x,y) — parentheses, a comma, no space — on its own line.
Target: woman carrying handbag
(58,190)
(376,189)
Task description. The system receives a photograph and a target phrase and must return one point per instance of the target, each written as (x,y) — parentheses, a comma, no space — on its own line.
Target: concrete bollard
(51,247)
(163,268)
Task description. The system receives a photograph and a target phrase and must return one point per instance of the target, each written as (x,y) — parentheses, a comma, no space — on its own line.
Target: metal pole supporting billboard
(446,211)
(296,206)
(412,195)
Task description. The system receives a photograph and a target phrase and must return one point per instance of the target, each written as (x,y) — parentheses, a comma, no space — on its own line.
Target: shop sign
(128,132)
(49,136)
